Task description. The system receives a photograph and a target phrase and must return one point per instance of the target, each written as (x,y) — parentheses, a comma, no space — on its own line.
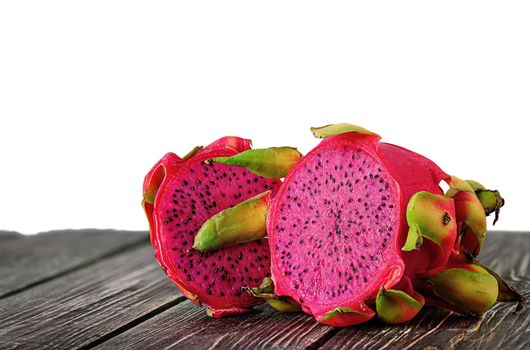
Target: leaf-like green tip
(429,216)
(469,211)
(396,306)
(208,236)
(266,286)
(475,185)
(192,153)
(338,311)
(322,132)
(273,162)
(149,196)
(414,239)
(266,292)
(491,200)
(346,316)
(458,184)
(471,291)
(154,183)
(506,292)
(242,223)
(283,304)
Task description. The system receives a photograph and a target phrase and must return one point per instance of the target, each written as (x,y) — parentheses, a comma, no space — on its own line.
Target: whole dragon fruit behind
(179,196)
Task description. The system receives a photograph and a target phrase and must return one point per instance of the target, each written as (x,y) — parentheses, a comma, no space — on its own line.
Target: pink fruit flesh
(191,192)
(333,227)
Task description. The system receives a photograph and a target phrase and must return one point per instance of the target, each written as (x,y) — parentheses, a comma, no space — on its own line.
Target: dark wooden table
(103,289)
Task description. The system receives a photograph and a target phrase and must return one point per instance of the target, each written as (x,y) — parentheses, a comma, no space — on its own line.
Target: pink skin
(185,198)
(404,171)
(415,173)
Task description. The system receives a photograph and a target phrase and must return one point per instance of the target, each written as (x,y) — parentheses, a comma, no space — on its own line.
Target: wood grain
(508,254)
(125,301)
(8,235)
(87,305)
(30,260)
(186,326)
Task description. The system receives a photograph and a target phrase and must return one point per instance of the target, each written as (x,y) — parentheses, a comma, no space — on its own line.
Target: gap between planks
(133,323)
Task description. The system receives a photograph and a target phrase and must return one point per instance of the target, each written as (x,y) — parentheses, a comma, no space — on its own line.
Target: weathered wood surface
(83,306)
(187,327)
(123,300)
(8,235)
(28,260)
(508,254)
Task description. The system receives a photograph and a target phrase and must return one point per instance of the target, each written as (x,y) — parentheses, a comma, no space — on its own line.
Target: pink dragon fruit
(337,224)
(181,194)
(374,224)
(357,223)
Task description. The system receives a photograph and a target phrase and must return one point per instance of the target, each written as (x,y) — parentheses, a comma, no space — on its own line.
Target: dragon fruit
(358,228)
(180,194)
(337,225)
(360,225)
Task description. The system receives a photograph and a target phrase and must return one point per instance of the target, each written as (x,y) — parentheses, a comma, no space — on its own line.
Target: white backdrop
(93,93)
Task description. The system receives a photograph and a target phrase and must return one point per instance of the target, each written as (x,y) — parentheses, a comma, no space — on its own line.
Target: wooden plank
(8,235)
(186,326)
(125,301)
(30,260)
(506,253)
(85,305)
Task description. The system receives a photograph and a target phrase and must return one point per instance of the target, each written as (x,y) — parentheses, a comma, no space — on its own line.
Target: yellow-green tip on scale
(273,162)
(346,316)
(192,153)
(266,292)
(242,223)
(472,291)
(506,292)
(322,132)
(491,200)
(428,216)
(396,306)
(469,211)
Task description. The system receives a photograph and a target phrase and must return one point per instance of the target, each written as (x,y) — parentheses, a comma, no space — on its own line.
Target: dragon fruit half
(180,194)
(360,227)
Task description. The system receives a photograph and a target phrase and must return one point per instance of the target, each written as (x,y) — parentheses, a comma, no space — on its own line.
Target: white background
(93,93)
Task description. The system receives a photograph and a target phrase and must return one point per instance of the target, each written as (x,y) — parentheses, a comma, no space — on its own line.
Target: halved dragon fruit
(357,223)
(337,224)
(181,194)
